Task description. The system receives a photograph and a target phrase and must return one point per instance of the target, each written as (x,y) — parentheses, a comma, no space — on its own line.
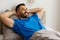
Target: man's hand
(14,12)
(40,13)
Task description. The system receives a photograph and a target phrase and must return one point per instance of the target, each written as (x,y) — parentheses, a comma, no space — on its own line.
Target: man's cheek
(23,11)
(28,11)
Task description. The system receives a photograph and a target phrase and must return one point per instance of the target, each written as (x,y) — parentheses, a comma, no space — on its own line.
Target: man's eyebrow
(23,8)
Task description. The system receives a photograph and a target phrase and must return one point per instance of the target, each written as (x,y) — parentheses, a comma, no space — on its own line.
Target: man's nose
(27,11)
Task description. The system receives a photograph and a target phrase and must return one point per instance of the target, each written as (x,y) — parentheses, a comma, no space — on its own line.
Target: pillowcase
(8,34)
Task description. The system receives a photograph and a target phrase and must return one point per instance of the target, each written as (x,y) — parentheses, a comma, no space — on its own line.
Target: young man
(26,26)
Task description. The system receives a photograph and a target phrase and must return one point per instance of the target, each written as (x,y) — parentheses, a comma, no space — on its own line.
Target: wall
(52,16)
(9,4)
(51,7)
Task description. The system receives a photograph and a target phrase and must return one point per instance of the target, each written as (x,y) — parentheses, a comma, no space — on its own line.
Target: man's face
(23,12)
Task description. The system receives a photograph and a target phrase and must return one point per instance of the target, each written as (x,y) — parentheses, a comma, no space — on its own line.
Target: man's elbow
(2,16)
(39,9)
(42,10)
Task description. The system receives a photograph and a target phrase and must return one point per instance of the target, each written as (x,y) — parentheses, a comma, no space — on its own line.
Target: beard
(25,15)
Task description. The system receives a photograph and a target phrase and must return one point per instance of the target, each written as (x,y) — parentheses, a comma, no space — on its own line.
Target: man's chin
(24,16)
(27,15)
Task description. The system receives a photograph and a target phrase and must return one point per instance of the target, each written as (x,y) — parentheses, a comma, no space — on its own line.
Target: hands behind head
(14,12)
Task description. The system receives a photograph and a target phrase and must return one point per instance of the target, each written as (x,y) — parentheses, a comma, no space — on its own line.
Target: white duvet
(48,28)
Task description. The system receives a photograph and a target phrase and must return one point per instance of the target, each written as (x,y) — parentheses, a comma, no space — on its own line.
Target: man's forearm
(7,14)
(35,10)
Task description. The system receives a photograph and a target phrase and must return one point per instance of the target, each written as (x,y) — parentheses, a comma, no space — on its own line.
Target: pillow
(8,34)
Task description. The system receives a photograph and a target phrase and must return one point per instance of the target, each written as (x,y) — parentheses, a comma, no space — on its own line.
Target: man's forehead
(22,7)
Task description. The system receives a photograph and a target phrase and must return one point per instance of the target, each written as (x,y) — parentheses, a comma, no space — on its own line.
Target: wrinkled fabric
(45,35)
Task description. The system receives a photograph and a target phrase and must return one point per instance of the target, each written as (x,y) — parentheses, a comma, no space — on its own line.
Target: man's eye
(22,9)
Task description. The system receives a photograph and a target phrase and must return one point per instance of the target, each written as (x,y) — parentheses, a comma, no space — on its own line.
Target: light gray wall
(8,4)
(52,16)
(59,15)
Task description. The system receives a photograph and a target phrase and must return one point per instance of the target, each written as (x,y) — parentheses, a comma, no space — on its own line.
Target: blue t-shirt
(27,27)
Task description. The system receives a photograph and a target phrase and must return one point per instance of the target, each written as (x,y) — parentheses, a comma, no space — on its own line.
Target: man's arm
(38,11)
(5,18)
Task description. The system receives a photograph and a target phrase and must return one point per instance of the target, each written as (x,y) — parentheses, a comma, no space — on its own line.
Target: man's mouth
(26,13)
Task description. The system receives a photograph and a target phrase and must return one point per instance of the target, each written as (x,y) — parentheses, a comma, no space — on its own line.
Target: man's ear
(17,12)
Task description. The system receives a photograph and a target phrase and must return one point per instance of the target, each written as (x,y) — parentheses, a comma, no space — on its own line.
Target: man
(26,26)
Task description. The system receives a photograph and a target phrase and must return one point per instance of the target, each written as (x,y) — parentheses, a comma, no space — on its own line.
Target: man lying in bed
(29,27)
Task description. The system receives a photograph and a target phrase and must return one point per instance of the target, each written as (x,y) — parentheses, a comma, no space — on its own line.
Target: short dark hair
(19,6)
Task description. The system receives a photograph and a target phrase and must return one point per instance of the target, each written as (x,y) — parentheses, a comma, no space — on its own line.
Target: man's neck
(22,18)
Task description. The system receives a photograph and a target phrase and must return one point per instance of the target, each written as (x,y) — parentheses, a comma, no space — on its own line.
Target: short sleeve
(38,20)
(15,26)
(35,16)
